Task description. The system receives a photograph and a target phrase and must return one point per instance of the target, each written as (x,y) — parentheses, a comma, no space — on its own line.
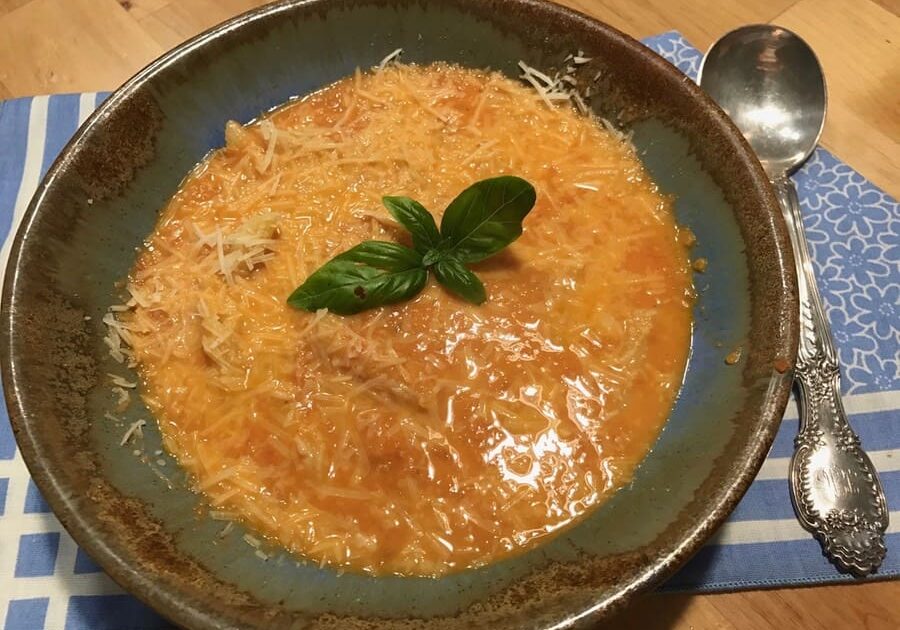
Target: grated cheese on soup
(432,435)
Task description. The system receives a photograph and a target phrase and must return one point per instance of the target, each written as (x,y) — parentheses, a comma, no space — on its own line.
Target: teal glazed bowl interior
(103,195)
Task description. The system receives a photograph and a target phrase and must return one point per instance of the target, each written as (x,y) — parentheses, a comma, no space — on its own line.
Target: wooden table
(51,46)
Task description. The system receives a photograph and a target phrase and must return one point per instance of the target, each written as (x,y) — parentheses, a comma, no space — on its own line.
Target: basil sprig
(485,217)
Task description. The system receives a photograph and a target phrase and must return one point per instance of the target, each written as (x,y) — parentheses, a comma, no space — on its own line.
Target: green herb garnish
(485,217)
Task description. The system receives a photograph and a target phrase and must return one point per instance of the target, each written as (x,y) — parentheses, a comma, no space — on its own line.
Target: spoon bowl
(771,84)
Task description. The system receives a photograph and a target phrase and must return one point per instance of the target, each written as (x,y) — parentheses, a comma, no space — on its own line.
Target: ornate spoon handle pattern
(834,486)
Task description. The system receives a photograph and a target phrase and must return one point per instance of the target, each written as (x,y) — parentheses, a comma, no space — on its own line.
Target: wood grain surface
(49,46)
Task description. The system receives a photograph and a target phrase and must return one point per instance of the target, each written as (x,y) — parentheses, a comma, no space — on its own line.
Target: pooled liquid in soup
(432,435)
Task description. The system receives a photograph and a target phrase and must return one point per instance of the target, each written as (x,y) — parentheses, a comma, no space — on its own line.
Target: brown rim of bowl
(168,602)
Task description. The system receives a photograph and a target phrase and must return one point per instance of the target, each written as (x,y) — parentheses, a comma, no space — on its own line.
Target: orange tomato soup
(432,435)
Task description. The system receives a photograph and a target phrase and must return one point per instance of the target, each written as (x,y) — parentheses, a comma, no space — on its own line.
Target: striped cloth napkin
(46,581)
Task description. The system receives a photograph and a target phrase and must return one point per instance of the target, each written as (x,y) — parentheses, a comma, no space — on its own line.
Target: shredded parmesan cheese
(369,442)
(136,428)
(270,133)
(123,398)
(392,57)
(564,87)
(119,381)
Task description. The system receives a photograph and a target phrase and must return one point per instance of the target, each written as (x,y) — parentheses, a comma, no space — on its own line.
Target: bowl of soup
(522,417)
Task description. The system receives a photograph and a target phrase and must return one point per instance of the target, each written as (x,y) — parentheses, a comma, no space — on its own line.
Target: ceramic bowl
(102,196)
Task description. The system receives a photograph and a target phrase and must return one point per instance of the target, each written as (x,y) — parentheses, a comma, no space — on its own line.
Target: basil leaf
(414,217)
(382,255)
(452,274)
(486,217)
(373,273)
(432,256)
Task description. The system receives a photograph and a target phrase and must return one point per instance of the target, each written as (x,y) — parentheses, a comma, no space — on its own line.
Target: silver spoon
(771,84)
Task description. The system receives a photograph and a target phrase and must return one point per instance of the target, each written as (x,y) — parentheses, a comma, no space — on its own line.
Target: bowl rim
(168,602)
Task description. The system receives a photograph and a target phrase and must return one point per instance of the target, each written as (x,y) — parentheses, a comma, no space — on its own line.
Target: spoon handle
(834,486)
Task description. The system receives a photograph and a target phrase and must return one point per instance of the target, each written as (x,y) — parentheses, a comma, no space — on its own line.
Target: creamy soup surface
(432,435)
